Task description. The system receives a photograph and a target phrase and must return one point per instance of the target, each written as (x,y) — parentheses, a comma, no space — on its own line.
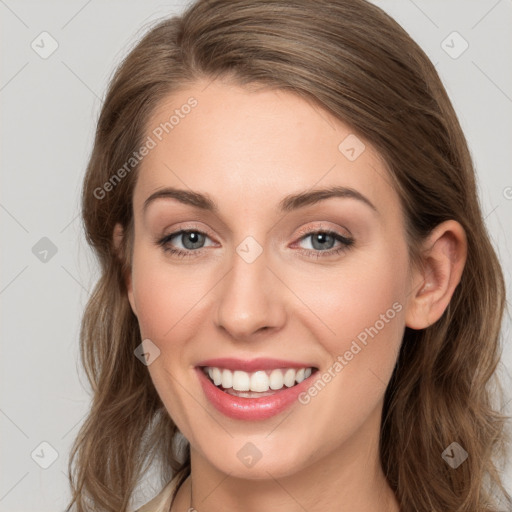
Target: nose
(250,299)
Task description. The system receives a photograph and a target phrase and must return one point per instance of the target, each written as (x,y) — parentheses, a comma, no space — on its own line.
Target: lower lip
(250,408)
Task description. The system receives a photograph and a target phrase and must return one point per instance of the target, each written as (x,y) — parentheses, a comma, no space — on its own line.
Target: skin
(248,149)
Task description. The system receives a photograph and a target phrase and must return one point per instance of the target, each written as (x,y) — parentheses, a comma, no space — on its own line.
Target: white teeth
(260,381)
(217,377)
(241,381)
(289,377)
(276,379)
(227,379)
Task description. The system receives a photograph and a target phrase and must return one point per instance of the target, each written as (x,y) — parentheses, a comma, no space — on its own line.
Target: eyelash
(180,253)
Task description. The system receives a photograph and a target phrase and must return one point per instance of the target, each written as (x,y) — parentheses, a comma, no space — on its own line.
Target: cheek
(153,298)
(167,297)
(167,302)
(363,304)
(361,301)
(155,295)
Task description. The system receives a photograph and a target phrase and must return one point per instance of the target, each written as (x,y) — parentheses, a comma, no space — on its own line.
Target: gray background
(49,107)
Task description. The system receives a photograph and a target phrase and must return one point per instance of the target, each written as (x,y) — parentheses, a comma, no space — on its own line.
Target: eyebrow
(287,204)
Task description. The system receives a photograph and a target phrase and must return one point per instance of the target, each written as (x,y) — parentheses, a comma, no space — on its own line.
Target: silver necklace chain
(191,507)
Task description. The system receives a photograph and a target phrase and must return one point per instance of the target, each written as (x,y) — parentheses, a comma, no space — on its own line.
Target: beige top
(162,501)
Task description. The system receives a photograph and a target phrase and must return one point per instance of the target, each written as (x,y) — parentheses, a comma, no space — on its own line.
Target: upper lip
(251,365)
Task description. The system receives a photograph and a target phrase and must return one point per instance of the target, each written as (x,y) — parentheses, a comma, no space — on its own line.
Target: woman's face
(258,278)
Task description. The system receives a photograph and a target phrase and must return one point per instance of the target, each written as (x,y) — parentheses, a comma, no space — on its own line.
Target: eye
(192,242)
(323,242)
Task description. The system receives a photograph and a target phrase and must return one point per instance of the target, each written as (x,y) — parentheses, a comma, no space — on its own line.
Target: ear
(117,239)
(444,257)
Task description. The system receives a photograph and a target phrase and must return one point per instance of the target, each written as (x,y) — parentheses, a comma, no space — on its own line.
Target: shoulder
(162,501)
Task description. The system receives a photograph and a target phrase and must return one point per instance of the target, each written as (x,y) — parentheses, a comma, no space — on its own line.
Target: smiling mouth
(256,384)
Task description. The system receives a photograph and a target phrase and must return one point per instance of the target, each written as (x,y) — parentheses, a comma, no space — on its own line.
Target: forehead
(254,146)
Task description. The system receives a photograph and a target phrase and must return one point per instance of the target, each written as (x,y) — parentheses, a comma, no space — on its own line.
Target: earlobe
(117,239)
(444,257)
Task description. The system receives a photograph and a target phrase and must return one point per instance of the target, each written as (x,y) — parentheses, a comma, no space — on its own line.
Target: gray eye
(192,239)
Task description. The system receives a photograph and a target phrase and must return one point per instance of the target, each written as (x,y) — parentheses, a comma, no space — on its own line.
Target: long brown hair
(354,61)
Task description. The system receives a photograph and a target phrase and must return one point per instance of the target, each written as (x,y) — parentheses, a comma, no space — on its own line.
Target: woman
(258,368)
